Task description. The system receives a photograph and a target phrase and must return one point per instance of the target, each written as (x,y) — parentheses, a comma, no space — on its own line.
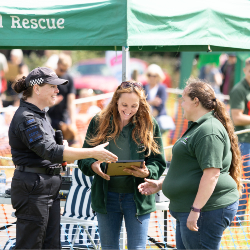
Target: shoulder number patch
(33,133)
(30,121)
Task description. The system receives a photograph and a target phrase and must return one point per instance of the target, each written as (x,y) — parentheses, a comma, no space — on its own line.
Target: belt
(49,171)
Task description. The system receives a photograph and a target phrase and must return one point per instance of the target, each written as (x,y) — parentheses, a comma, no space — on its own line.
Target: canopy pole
(186,67)
(125,61)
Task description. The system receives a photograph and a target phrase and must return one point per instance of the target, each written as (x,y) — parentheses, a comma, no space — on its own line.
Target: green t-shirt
(205,144)
(240,99)
(121,148)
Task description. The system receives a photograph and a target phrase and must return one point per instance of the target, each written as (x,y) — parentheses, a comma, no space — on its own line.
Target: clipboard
(116,168)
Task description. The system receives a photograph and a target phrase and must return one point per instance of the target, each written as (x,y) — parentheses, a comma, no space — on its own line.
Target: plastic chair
(81,223)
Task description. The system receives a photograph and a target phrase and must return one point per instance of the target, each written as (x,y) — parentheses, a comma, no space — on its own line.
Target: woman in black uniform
(36,155)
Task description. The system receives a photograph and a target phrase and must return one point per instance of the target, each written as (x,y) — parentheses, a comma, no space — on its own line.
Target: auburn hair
(109,121)
(206,95)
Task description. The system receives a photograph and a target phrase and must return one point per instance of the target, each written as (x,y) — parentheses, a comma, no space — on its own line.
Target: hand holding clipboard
(136,168)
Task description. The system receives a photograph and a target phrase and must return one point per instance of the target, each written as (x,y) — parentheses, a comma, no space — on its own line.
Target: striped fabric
(10,244)
(78,204)
(78,212)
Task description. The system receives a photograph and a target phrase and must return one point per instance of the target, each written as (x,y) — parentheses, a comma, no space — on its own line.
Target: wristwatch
(195,209)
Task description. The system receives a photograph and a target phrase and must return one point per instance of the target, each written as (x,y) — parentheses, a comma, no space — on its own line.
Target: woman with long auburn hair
(142,120)
(133,134)
(203,181)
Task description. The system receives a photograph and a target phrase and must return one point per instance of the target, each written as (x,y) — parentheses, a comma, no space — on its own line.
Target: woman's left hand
(137,171)
(192,221)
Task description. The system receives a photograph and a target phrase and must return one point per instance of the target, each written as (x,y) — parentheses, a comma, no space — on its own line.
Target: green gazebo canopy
(143,25)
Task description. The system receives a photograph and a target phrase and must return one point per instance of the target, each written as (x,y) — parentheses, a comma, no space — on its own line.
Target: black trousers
(36,200)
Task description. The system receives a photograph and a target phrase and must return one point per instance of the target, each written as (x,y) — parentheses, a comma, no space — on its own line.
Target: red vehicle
(95,74)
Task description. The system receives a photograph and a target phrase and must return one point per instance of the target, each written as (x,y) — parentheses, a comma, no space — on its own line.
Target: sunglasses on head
(149,75)
(131,84)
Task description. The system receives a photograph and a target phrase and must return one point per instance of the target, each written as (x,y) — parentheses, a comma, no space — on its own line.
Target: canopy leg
(125,62)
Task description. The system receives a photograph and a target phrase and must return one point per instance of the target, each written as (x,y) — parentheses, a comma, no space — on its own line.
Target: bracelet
(195,209)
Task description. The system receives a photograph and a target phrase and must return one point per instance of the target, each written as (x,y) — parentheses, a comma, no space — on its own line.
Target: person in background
(16,58)
(86,111)
(133,134)
(64,109)
(17,69)
(156,94)
(228,72)
(135,75)
(212,75)
(203,182)
(240,112)
(90,108)
(155,90)
(37,155)
(3,69)
(52,59)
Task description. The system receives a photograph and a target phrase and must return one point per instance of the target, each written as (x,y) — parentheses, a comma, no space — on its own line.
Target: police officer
(37,157)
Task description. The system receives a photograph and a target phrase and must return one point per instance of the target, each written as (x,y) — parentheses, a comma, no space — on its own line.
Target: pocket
(23,185)
(32,182)
(130,197)
(229,212)
(18,190)
(233,206)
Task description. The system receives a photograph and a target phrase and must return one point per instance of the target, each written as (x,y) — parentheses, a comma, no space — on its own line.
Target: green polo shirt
(205,144)
(240,99)
(121,148)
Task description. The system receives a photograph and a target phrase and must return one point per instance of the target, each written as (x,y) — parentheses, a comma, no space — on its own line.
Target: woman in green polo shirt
(132,134)
(203,181)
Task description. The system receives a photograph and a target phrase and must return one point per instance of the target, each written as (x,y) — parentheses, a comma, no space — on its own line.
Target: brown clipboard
(116,168)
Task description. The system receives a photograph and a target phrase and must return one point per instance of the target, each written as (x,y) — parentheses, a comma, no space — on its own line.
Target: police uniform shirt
(32,139)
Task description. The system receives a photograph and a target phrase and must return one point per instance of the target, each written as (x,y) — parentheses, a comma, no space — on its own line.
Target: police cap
(43,75)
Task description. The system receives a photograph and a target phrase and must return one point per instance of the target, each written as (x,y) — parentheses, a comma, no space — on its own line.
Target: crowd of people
(203,182)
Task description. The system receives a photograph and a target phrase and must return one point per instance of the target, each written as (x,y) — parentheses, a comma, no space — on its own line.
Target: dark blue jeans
(245,151)
(211,227)
(119,206)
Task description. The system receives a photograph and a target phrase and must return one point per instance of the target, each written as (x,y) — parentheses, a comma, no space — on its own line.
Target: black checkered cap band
(36,81)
